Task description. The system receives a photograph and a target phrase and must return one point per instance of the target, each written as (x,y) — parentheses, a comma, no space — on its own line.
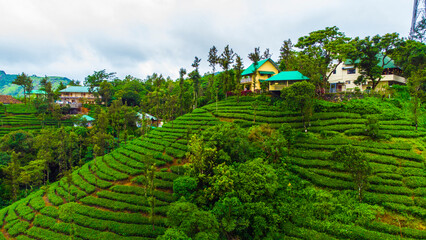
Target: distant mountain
(7,88)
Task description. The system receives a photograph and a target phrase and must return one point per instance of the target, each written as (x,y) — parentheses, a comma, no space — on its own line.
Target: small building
(153,120)
(284,79)
(85,121)
(38,93)
(76,95)
(344,77)
(265,69)
(7,99)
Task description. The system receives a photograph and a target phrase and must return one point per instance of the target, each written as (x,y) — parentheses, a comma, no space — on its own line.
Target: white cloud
(139,37)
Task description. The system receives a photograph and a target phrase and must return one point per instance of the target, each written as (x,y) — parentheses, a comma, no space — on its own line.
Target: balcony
(245,80)
(276,87)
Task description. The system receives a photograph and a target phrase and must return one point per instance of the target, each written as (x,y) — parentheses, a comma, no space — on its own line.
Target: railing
(246,80)
(276,87)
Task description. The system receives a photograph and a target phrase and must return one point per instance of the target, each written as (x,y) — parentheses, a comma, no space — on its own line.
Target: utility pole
(419,13)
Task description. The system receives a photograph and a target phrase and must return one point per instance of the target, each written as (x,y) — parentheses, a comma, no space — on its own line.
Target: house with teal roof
(284,79)
(343,78)
(77,95)
(253,75)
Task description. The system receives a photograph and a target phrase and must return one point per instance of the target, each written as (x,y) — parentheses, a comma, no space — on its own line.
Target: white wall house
(343,78)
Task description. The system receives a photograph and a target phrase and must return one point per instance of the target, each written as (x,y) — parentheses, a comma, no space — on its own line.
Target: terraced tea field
(106,198)
(21,117)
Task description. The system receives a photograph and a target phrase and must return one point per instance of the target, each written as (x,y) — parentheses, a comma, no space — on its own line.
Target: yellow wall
(267,67)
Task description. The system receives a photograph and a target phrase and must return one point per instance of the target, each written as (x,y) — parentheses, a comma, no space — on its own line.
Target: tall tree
(300,96)
(287,55)
(329,48)
(213,59)
(182,73)
(12,172)
(238,67)
(255,58)
(94,81)
(195,76)
(25,82)
(106,92)
(410,56)
(356,164)
(372,55)
(417,87)
(225,61)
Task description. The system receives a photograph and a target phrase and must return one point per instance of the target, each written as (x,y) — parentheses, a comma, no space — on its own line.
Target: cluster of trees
(238,185)
(319,54)
(28,161)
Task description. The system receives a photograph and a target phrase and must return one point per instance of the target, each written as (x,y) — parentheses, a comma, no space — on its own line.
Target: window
(351,71)
(348,82)
(334,71)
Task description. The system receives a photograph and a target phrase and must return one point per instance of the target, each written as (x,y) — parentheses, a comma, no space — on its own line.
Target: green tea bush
(41,233)
(37,203)
(391,189)
(92,179)
(415,182)
(380,198)
(51,195)
(175,152)
(115,164)
(395,230)
(322,180)
(44,221)
(18,228)
(106,173)
(50,211)
(81,183)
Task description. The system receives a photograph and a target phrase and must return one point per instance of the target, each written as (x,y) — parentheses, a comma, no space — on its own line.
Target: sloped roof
(288,76)
(7,99)
(77,89)
(389,63)
(87,118)
(250,69)
(38,92)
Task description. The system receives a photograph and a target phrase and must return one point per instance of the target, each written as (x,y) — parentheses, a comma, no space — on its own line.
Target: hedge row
(121,206)
(391,229)
(51,195)
(175,152)
(50,211)
(160,195)
(80,182)
(119,166)
(320,180)
(18,228)
(415,181)
(148,145)
(91,178)
(128,198)
(136,218)
(107,173)
(418,211)
(71,189)
(380,198)
(129,161)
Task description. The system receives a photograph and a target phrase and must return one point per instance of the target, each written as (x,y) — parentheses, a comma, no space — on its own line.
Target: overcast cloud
(139,37)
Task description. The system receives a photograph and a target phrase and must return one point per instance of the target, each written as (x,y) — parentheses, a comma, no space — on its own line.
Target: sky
(74,38)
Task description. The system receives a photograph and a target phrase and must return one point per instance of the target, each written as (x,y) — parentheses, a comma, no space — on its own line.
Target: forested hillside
(7,88)
(234,170)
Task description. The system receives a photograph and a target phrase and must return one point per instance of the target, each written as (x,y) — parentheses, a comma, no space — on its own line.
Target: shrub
(184,186)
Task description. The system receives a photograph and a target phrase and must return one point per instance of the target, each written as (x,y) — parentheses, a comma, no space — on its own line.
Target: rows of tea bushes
(106,198)
(22,117)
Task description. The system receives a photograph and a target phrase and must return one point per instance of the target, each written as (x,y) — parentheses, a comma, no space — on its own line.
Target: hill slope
(105,198)
(7,88)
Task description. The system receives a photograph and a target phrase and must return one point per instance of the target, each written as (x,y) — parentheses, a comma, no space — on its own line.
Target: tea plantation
(22,117)
(106,198)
